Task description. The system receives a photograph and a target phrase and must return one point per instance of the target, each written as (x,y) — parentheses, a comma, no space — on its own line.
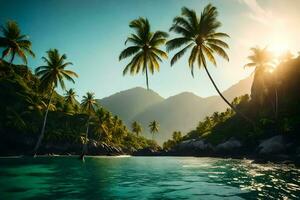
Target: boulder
(193,147)
(230,145)
(102,148)
(273,145)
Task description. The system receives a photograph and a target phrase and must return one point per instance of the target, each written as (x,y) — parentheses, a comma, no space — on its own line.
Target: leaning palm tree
(145,49)
(136,128)
(154,127)
(200,34)
(88,105)
(51,75)
(70,97)
(14,43)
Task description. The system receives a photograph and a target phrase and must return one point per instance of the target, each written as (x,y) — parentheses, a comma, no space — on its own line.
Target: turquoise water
(145,178)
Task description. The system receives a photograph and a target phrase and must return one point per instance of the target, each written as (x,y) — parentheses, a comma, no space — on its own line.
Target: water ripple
(146,178)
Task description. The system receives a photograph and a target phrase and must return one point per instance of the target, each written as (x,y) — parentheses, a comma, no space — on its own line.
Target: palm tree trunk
(146,68)
(84,149)
(276,98)
(226,101)
(44,125)
(147,79)
(12,58)
(276,103)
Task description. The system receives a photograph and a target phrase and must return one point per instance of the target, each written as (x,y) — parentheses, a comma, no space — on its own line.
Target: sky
(92,34)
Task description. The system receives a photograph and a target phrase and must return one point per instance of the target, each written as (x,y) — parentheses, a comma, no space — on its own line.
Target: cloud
(257,13)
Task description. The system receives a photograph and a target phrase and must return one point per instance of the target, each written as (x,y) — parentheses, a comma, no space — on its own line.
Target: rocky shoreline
(277,149)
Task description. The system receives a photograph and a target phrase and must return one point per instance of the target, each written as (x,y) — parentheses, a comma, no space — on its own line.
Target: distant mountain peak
(180,112)
(187,94)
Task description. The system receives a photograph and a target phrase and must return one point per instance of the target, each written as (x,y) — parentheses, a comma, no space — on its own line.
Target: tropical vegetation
(280,85)
(136,128)
(154,128)
(51,75)
(145,49)
(14,42)
(201,36)
(43,121)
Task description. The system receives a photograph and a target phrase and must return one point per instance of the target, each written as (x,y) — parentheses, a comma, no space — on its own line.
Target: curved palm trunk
(226,101)
(44,125)
(84,148)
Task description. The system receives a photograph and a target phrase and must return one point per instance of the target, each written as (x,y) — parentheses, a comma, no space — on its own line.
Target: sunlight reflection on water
(145,178)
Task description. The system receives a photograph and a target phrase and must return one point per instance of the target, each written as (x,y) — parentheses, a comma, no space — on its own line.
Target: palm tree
(215,117)
(101,126)
(200,34)
(88,105)
(262,60)
(51,75)
(14,43)
(70,97)
(145,48)
(154,127)
(136,128)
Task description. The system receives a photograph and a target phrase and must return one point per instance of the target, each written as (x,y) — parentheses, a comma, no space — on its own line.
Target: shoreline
(290,160)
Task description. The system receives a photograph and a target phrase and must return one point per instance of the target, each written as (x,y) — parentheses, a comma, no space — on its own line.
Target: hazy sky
(92,34)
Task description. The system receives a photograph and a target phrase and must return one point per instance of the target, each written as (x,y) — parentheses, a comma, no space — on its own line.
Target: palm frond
(178,55)
(177,42)
(129,52)
(219,50)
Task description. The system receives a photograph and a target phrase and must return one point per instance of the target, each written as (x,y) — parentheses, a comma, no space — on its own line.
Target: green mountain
(129,103)
(181,112)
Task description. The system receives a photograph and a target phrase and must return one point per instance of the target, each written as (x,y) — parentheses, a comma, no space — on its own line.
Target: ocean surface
(145,178)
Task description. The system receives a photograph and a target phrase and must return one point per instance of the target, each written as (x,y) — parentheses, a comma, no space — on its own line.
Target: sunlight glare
(278,39)
(278,48)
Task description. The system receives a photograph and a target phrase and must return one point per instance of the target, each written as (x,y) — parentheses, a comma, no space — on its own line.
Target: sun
(278,38)
(278,48)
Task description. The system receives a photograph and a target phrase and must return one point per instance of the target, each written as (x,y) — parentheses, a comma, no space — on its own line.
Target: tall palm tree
(261,59)
(154,127)
(88,105)
(145,48)
(51,75)
(200,34)
(70,96)
(136,128)
(14,43)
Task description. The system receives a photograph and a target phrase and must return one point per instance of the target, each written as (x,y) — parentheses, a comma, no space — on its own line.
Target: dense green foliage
(176,138)
(27,98)
(282,85)
(22,108)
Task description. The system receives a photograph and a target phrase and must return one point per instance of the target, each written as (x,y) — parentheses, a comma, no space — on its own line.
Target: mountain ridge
(180,112)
